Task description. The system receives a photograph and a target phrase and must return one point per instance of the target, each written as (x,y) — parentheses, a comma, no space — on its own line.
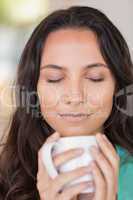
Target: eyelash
(94,80)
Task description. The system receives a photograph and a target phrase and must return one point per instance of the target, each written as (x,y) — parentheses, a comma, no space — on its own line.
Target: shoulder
(125,190)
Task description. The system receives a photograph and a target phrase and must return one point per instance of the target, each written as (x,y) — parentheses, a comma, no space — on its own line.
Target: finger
(71,192)
(110,154)
(100,185)
(107,171)
(67,177)
(55,136)
(63,157)
(88,196)
(109,151)
(51,138)
(43,178)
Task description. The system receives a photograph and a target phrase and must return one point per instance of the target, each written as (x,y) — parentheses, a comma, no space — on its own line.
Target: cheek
(101,100)
(47,96)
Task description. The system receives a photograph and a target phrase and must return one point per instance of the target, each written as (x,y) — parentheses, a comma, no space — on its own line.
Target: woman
(76,61)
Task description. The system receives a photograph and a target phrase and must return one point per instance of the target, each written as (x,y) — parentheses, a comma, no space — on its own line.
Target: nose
(75,94)
(73,99)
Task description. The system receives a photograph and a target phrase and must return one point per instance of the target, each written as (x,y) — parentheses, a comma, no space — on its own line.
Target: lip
(74,117)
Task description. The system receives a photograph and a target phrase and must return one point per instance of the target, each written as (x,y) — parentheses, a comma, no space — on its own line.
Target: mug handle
(47,159)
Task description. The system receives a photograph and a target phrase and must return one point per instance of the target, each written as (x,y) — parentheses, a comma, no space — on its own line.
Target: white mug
(67,143)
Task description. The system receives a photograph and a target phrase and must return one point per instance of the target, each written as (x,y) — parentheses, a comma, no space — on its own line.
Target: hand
(52,189)
(105,169)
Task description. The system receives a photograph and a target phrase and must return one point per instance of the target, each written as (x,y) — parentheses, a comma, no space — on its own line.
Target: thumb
(55,136)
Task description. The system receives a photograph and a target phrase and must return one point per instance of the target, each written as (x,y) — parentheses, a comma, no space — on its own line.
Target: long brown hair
(28,130)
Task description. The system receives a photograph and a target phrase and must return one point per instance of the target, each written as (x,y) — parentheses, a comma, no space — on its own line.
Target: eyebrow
(53,66)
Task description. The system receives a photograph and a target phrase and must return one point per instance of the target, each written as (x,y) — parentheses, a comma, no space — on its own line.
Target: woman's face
(83,83)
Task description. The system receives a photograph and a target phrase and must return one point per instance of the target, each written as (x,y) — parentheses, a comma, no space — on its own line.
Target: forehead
(70,38)
(71,47)
(71,34)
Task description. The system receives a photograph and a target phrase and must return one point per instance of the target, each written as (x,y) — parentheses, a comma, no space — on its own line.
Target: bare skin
(105,172)
(83,197)
(77,91)
(48,188)
(73,50)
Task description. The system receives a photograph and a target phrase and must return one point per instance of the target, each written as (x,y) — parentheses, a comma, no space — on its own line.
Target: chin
(75,132)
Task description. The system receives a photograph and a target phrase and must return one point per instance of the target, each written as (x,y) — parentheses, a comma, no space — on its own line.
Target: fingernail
(88,169)
(104,137)
(88,183)
(56,135)
(79,151)
(99,135)
(92,164)
(94,149)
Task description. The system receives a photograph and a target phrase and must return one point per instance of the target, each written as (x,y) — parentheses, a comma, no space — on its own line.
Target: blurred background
(18,18)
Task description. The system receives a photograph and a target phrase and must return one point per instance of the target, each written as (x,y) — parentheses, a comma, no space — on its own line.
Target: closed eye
(56,81)
(96,80)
